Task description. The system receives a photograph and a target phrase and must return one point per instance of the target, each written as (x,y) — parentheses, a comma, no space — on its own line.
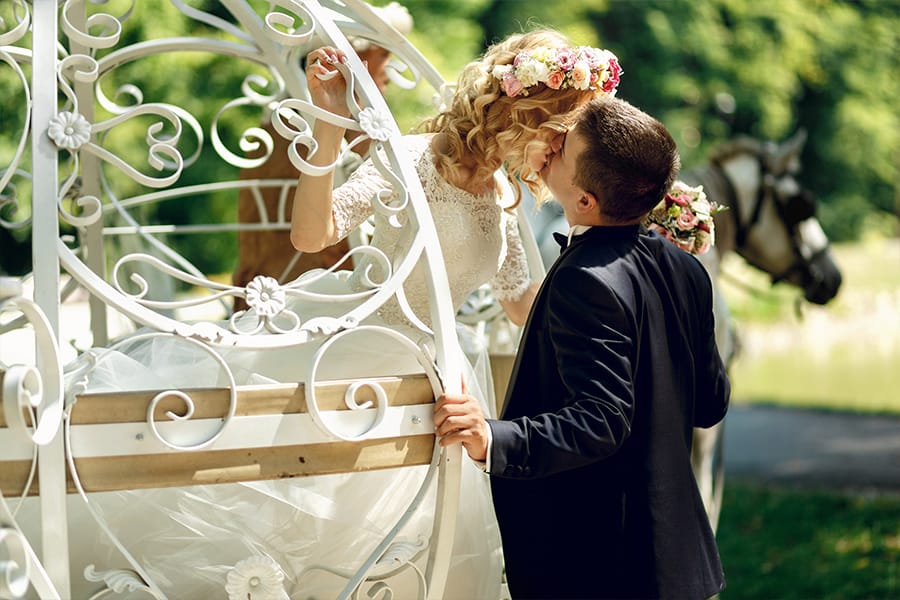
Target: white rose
(531,72)
(581,75)
(606,56)
(700,208)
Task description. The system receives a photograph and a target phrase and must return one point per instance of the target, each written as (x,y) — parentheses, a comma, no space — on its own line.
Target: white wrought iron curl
(158,148)
(24,390)
(98,21)
(283,25)
(389,203)
(268,316)
(252,137)
(37,390)
(23,564)
(118,581)
(132,91)
(15,570)
(7,173)
(23,23)
(350,401)
(379,559)
(122,580)
(7,199)
(71,132)
(289,118)
(184,397)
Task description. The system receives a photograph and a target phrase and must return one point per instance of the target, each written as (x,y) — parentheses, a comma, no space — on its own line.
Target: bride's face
(539,151)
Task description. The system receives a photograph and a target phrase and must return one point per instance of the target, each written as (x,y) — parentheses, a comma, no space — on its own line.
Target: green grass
(843,356)
(779,544)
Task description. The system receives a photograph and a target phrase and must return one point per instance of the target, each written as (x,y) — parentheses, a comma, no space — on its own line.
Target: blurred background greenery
(711,69)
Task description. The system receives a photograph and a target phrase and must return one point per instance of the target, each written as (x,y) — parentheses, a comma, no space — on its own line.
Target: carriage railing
(76,53)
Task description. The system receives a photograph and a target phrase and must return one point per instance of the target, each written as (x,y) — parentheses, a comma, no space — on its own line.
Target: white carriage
(67,446)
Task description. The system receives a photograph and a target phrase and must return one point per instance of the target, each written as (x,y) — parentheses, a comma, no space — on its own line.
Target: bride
(507,109)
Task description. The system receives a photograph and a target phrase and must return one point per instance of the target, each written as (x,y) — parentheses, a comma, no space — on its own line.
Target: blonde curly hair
(494,129)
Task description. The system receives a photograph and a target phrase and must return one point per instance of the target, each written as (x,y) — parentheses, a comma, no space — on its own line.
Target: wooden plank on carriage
(230,465)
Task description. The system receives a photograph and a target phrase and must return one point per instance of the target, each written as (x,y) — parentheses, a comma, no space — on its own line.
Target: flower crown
(685,218)
(582,68)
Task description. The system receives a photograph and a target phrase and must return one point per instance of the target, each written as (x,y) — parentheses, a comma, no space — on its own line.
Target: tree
(715,69)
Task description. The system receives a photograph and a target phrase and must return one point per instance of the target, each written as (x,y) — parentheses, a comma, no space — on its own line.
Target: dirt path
(813,448)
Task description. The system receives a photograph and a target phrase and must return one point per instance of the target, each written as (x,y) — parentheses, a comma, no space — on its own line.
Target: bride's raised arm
(312,220)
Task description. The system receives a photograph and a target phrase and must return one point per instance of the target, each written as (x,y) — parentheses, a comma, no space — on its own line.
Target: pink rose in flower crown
(582,68)
(555,79)
(615,73)
(511,85)
(565,59)
(686,220)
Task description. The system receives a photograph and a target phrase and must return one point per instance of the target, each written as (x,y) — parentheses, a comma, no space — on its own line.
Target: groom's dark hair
(630,160)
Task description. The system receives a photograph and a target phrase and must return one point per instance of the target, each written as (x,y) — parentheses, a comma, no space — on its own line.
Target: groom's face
(559,174)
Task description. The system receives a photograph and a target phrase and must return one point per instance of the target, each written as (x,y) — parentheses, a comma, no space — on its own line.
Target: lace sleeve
(512,279)
(352,201)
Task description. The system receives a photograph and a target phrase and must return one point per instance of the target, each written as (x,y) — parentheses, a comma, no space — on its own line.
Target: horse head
(771,221)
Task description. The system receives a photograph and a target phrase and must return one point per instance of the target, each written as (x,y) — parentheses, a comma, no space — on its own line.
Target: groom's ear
(587,203)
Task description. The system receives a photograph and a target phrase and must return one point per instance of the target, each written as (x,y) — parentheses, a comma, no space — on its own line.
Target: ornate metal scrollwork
(14,570)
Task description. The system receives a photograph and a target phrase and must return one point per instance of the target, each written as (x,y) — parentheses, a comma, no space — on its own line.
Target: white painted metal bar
(91,235)
(45,232)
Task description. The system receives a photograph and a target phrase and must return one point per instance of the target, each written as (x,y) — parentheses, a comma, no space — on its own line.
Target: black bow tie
(561,239)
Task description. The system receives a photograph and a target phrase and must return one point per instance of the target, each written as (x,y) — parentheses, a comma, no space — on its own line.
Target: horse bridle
(793,210)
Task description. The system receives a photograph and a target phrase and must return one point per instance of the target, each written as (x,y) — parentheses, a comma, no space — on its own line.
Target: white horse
(771,223)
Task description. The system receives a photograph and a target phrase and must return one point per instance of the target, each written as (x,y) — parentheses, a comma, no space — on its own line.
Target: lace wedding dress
(196,541)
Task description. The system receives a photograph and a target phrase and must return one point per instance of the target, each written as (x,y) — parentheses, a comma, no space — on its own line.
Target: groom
(590,463)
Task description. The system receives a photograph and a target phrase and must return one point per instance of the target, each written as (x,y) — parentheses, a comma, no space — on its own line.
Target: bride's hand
(327,86)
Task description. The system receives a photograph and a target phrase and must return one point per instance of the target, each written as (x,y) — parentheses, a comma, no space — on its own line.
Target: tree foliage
(714,69)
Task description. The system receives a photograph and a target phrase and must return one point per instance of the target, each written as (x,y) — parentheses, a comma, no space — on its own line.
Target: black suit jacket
(590,464)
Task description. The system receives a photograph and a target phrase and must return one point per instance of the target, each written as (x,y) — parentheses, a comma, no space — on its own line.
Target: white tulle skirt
(307,532)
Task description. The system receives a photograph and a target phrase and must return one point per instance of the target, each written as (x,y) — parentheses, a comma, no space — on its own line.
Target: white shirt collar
(576,230)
